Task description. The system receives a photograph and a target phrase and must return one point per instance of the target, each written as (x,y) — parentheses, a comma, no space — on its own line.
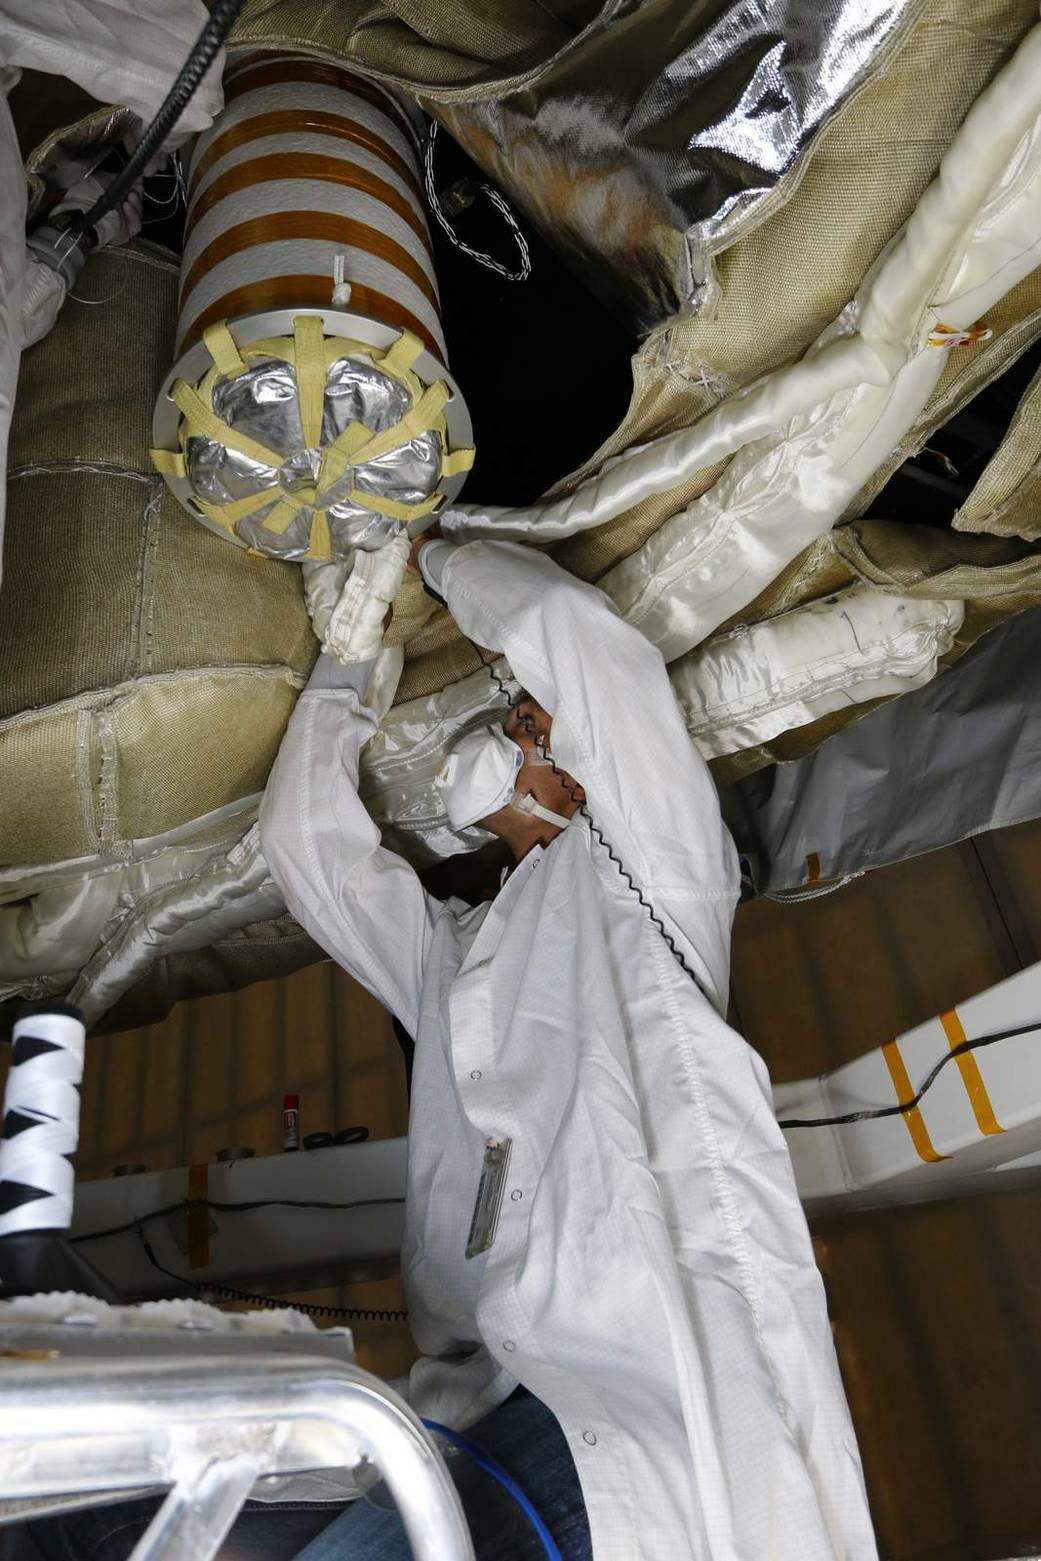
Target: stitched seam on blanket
(104,697)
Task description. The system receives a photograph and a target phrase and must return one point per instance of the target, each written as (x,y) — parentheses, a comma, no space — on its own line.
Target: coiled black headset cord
(594,828)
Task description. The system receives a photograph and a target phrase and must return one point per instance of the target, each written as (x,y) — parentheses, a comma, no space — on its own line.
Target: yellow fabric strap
(220,344)
(311,352)
(283,515)
(399,357)
(238,509)
(291,503)
(394,508)
(202,420)
(337,456)
(271,347)
(423,416)
(334,348)
(309,337)
(455,461)
(169,463)
(320,543)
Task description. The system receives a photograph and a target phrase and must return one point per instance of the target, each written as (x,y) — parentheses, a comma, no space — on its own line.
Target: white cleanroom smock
(651,1277)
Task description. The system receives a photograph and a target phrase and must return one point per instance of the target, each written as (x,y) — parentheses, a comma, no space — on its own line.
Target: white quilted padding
(745,687)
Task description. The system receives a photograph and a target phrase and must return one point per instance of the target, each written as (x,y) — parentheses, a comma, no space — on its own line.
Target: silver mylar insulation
(264,403)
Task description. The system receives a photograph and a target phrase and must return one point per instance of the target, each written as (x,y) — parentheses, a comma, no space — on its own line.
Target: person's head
(508,770)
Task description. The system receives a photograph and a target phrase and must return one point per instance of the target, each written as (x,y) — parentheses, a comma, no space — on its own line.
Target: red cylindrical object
(290,1122)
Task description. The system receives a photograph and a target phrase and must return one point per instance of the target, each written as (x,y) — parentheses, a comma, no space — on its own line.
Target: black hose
(203,53)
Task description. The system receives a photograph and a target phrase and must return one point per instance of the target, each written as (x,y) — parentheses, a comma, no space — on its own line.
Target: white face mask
(479,777)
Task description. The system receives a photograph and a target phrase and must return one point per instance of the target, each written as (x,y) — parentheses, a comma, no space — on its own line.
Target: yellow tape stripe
(169,463)
(284,513)
(423,416)
(320,542)
(201,419)
(971,1076)
(401,354)
(905,1092)
(220,344)
(238,509)
(309,337)
(337,456)
(336,347)
(351,446)
(456,461)
(271,347)
(395,508)
(198,1218)
(311,353)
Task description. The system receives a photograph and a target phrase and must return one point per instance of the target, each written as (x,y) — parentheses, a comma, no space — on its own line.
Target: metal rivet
(516,1195)
(508,1345)
(590,1437)
(476,1074)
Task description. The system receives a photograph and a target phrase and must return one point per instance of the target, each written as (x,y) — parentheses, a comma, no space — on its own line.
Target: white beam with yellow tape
(978,1125)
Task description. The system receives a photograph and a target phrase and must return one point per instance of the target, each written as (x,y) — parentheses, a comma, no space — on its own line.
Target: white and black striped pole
(37,1144)
(41,1121)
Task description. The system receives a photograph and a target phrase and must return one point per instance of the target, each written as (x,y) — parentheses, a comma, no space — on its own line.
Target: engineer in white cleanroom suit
(650,1278)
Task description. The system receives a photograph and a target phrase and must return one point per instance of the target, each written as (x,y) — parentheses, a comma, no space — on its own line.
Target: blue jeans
(521,1434)
(259,1533)
(525,1438)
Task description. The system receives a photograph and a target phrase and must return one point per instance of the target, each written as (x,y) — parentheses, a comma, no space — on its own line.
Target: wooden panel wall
(935,1308)
(213,1074)
(819,982)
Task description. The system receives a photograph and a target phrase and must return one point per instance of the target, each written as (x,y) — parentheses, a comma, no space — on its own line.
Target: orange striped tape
(257,73)
(904,1093)
(971,1076)
(303,291)
(307,165)
(292,121)
(284,225)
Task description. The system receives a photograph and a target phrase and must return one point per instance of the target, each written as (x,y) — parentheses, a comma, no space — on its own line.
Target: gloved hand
(116,227)
(355,628)
(53,263)
(324,581)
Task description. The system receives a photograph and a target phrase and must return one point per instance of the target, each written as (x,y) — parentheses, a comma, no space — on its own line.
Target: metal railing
(209,1428)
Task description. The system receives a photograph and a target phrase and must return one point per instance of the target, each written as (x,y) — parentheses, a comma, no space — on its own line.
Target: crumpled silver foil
(264,403)
(654,140)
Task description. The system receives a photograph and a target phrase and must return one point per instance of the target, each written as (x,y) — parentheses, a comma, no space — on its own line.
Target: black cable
(511,699)
(121,1230)
(268,1302)
(201,56)
(872,1113)
(187,1204)
(653,916)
